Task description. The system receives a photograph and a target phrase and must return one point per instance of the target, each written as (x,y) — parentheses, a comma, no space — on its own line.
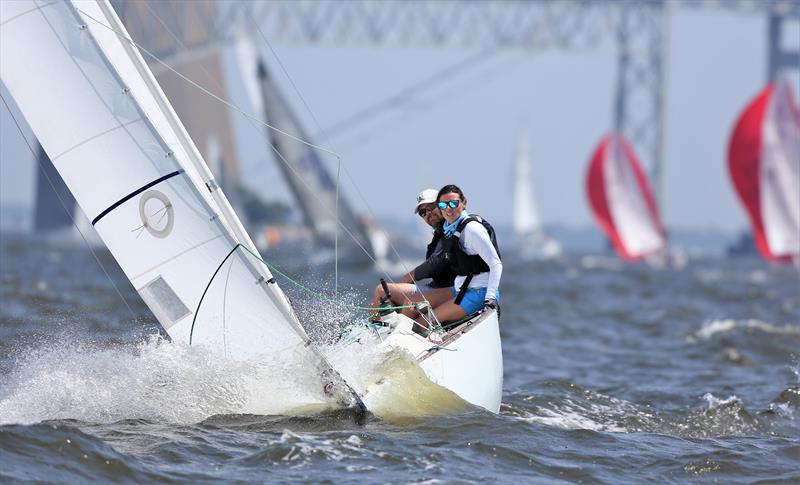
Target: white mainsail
(533,242)
(526,215)
(95,107)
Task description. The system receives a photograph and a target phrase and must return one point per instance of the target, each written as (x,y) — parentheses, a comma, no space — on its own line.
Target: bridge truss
(637,28)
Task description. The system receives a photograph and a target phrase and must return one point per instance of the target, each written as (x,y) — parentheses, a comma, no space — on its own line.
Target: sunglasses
(424,212)
(450,203)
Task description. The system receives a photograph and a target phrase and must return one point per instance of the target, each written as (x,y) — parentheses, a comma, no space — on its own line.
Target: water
(613,374)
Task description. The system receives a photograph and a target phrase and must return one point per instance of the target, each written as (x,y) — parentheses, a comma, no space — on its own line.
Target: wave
(713,327)
(71,456)
(581,409)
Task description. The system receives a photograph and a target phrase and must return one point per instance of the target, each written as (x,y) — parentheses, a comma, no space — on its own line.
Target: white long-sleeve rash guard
(475,240)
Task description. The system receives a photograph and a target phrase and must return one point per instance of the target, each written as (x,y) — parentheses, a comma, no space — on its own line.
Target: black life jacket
(460,262)
(435,266)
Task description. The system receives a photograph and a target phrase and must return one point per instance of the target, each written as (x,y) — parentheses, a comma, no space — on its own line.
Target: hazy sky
(464,131)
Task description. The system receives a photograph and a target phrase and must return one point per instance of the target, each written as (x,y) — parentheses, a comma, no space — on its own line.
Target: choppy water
(613,374)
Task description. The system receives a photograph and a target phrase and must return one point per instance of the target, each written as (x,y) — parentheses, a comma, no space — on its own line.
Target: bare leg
(434,297)
(449,311)
(439,300)
(397,290)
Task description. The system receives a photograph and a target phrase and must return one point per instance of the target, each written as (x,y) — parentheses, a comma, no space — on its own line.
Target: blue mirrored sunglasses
(450,203)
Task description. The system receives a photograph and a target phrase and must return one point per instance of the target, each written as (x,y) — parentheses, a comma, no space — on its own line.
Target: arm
(429,267)
(478,240)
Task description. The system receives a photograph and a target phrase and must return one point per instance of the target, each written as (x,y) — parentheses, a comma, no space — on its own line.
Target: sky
(464,131)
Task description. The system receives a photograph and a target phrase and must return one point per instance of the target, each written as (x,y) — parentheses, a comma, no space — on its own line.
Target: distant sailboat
(103,120)
(622,202)
(311,183)
(533,243)
(764,165)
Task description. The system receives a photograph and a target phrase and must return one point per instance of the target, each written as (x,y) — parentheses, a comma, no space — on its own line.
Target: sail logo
(157,213)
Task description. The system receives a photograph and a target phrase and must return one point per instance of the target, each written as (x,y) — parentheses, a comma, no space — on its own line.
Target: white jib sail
(635,224)
(93,104)
(780,172)
(526,215)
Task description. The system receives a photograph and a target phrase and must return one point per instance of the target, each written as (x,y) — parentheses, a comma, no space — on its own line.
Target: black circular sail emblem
(156,213)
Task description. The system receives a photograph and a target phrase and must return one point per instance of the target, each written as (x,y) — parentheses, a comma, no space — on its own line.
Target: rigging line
(340,223)
(236,108)
(64,206)
(197,310)
(182,45)
(362,137)
(263,135)
(363,199)
(201,88)
(327,141)
(316,293)
(336,236)
(224,309)
(440,75)
(398,99)
(339,166)
(294,86)
(247,116)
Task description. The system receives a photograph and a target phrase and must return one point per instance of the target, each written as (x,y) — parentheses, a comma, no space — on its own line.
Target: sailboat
(623,204)
(466,357)
(105,123)
(764,165)
(533,243)
(327,214)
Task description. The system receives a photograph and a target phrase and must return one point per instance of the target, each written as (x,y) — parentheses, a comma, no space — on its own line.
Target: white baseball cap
(427,196)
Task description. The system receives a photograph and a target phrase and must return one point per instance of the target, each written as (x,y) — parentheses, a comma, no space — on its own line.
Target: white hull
(468,362)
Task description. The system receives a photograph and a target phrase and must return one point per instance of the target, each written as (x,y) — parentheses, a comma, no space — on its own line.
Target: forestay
(93,104)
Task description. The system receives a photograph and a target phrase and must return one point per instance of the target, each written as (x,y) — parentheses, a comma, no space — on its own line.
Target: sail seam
(121,125)
(38,7)
(134,194)
(176,256)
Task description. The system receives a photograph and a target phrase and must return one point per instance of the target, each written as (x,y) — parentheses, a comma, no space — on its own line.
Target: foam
(155,380)
(714,327)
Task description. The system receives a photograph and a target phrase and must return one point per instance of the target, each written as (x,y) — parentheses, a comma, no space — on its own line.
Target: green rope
(317,294)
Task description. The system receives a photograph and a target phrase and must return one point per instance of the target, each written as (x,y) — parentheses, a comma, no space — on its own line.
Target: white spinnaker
(632,219)
(132,171)
(779,190)
(526,216)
